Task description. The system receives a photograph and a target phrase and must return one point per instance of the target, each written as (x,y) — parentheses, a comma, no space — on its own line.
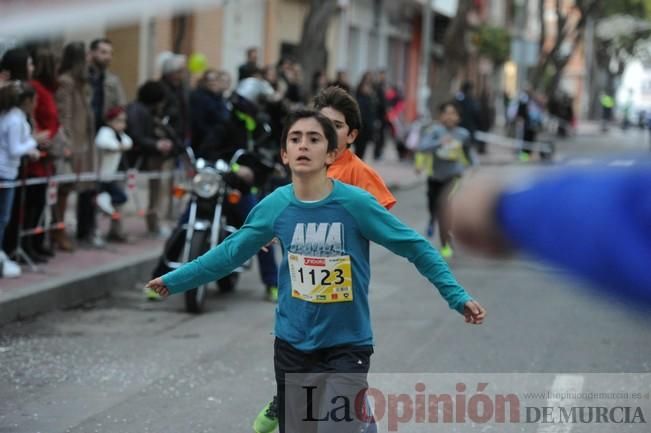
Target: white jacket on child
(111,145)
(15,141)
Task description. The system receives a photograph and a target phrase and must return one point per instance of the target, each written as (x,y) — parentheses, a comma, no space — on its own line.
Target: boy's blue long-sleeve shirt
(341,225)
(593,222)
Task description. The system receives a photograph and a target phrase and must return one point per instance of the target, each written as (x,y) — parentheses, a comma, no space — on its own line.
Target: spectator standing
(112,142)
(319,82)
(107,87)
(18,66)
(250,67)
(342,81)
(176,106)
(73,98)
(45,119)
(16,141)
(367,101)
(382,121)
(208,106)
(154,142)
(469,110)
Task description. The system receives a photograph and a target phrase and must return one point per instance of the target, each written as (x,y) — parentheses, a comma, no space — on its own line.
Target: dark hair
(342,101)
(95,44)
(15,62)
(329,130)
(45,67)
(14,94)
(446,104)
(467,86)
(151,93)
(73,61)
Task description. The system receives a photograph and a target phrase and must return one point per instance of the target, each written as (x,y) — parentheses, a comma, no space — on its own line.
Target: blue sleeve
(220,261)
(431,139)
(380,226)
(594,223)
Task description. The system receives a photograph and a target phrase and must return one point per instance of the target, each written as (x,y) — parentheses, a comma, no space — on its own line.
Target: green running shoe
(267,419)
(272,293)
(447,252)
(151,295)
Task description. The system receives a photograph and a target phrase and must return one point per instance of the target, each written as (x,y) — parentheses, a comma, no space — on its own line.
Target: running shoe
(447,252)
(267,419)
(272,293)
(151,295)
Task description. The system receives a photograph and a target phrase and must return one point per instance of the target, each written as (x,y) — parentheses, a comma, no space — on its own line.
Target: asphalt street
(124,364)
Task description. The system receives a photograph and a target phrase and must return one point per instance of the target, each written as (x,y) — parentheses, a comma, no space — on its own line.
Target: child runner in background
(445,154)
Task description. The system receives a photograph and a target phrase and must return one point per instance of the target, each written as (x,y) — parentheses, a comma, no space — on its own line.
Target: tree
(610,51)
(622,31)
(312,54)
(570,27)
(455,52)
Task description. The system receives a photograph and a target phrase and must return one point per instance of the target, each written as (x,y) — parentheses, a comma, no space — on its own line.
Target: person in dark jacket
(208,106)
(367,100)
(176,106)
(469,111)
(250,68)
(106,86)
(154,142)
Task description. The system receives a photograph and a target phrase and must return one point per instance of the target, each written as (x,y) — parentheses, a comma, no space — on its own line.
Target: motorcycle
(216,189)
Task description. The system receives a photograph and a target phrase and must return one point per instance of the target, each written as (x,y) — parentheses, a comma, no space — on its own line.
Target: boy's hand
(474,313)
(271,242)
(159,287)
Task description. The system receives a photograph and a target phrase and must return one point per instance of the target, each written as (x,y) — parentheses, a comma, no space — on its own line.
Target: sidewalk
(71,279)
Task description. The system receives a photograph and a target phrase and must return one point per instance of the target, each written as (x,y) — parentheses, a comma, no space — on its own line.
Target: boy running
(341,108)
(324,226)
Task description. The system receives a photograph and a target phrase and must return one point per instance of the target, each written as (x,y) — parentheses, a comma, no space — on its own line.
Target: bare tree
(455,52)
(312,55)
(568,31)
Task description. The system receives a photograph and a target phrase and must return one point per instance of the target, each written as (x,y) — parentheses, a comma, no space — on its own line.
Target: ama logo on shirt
(318,239)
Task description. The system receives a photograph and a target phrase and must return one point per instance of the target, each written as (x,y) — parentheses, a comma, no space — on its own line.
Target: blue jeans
(6,203)
(115,190)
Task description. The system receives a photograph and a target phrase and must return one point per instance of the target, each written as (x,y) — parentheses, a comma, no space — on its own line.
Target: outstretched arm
(381,227)
(223,259)
(592,222)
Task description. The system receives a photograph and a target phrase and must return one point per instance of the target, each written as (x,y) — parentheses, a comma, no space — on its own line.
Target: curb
(72,291)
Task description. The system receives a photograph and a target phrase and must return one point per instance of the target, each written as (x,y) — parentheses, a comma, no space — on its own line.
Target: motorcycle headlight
(206,183)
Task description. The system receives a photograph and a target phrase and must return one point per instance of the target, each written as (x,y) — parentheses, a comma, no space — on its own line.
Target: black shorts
(438,190)
(325,374)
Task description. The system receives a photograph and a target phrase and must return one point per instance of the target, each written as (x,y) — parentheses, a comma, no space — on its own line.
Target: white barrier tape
(514,143)
(88,177)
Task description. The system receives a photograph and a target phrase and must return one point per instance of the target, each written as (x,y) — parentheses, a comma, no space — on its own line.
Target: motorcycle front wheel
(196,298)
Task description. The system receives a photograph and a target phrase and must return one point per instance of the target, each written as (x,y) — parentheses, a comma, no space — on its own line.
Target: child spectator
(16,141)
(111,142)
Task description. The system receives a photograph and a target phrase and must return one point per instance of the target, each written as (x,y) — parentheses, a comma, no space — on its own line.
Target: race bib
(321,280)
(450,151)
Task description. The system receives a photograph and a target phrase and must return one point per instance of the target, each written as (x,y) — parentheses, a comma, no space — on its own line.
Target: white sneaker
(9,268)
(103,201)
